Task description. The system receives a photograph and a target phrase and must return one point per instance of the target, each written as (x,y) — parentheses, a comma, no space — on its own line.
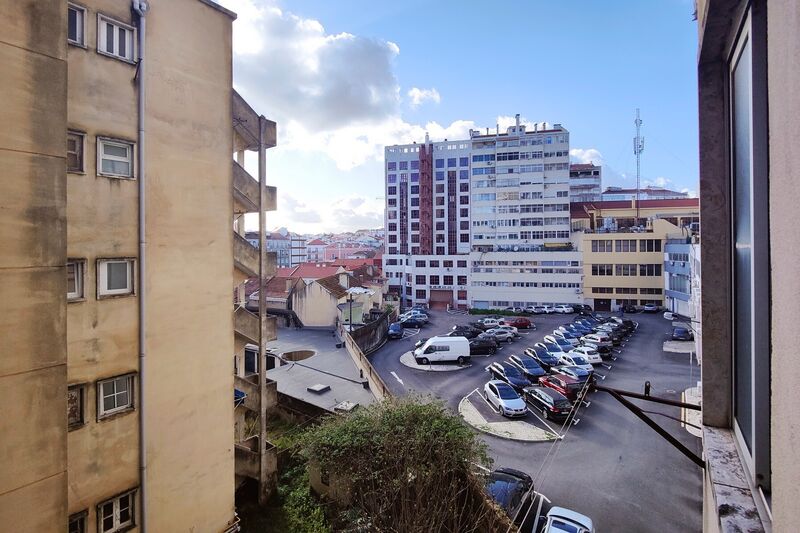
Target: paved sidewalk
(693,395)
(512,430)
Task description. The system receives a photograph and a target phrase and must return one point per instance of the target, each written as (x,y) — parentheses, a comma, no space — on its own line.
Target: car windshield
(680,331)
(512,371)
(579,360)
(559,526)
(552,347)
(527,362)
(563,404)
(562,342)
(506,490)
(506,392)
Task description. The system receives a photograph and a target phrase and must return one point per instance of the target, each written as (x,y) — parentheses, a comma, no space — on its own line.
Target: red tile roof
(309,270)
(317,242)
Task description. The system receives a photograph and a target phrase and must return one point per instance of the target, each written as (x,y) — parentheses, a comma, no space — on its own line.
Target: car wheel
(545,414)
(460,360)
(493,351)
(509,340)
(424,361)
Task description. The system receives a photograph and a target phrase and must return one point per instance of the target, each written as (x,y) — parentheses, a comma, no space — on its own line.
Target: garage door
(602,304)
(440,299)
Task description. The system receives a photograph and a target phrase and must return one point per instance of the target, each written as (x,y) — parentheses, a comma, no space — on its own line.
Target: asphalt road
(610,466)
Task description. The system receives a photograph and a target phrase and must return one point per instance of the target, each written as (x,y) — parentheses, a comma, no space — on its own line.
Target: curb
(484,428)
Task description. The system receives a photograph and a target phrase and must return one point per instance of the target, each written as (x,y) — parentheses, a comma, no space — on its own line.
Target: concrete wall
(783,19)
(315,306)
(33,354)
(371,336)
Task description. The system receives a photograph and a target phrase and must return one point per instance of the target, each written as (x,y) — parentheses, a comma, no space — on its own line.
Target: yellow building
(623,263)
(118,260)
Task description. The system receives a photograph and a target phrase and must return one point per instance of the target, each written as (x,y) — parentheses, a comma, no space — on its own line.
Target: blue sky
(336,77)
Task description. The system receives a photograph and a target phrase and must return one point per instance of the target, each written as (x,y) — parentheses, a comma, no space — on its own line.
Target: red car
(568,386)
(519,322)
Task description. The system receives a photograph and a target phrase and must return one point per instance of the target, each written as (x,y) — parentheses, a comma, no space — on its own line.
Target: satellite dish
(516,248)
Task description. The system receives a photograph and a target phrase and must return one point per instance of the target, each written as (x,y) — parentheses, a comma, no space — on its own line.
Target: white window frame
(82,25)
(102,20)
(82,136)
(101,395)
(102,277)
(101,142)
(118,525)
(80,275)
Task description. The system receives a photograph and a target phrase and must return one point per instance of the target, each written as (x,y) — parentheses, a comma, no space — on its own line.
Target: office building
(585,182)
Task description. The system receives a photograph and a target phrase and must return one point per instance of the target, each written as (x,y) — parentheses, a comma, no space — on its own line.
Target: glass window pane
(117,273)
(72,17)
(123,42)
(115,150)
(71,281)
(74,407)
(742,142)
(122,398)
(109,403)
(109,38)
(124,509)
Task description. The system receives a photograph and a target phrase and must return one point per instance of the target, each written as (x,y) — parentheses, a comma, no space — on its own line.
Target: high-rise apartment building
(585,182)
(117,266)
(482,222)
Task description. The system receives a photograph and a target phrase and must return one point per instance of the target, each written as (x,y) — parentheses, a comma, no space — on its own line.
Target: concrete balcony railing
(245,126)
(249,386)
(246,193)
(246,324)
(245,255)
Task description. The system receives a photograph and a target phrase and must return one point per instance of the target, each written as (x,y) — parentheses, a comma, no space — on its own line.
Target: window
(440,226)
(75,151)
(650,270)
(115,39)
(403,165)
(116,514)
(625,270)
(440,213)
(602,290)
(434,280)
(391,165)
(114,395)
(114,158)
(76,25)
(421,294)
(393,190)
(76,402)
(601,246)
(114,277)
(464,237)
(77,522)
(440,187)
(602,270)
(625,245)
(464,212)
(448,280)
(650,245)
(461,264)
(434,263)
(462,280)
(451,162)
(75,270)
(440,163)
(419,280)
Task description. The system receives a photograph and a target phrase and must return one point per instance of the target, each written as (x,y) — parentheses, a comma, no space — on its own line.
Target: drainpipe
(141,7)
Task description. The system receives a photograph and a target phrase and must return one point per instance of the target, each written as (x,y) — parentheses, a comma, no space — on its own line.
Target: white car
(564,309)
(530,309)
(590,354)
(489,322)
(571,359)
(514,331)
(515,309)
(504,398)
(548,309)
(600,339)
(502,335)
(561,520)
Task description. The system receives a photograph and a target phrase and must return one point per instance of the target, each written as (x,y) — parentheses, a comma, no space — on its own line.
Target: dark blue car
(395,331)
(528,366)
(509,489)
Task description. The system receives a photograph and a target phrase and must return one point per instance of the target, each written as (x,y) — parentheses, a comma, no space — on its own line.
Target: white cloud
(586,156)
(344,213)
(419,96)
(660,181)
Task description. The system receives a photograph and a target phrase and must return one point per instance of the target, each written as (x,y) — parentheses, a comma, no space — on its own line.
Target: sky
(345,78)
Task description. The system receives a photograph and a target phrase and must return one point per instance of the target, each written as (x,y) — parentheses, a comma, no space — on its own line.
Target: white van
(443,349)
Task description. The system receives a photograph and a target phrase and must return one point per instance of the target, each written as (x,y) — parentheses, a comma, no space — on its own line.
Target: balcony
(245,127)
(246,193)
(245,256)
(245,324)
(249,386)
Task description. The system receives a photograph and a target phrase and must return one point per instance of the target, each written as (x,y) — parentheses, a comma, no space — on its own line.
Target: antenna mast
(638,148)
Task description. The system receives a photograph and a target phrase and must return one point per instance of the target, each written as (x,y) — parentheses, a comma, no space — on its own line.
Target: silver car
(502,335)
(504,398)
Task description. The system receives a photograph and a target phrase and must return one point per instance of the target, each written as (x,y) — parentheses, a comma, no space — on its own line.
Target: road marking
(558,435)
(606,366)
(406,333)
(397,378)
(585,403)
(487,403)
(575,421)
(601,376)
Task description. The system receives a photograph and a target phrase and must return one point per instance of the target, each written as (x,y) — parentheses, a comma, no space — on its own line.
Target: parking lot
(610,465)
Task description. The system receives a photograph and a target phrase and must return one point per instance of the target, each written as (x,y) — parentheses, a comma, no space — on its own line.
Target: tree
(408,467)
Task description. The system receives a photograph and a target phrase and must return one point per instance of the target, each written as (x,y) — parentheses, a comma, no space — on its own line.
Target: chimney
(427,138)
(517,117)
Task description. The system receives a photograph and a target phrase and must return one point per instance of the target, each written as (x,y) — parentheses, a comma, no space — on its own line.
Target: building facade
(469,221)
(747,75)
(118,391)
(678,276)
(585,182)
(644,193)
(281,245)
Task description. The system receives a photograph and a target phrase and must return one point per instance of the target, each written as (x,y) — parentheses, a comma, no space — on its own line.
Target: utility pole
(638,148)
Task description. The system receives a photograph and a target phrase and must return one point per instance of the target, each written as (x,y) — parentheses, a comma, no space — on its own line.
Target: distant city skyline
(343,80)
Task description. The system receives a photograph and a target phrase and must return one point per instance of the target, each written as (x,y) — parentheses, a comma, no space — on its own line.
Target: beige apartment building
(118,127)
(748,77)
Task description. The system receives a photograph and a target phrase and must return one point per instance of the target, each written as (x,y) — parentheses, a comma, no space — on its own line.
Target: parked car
(582,309)
(542,356)
(530,309)
(630,308)
(604,351)
(488,337)
(443,349)
(561,520)
(511,329)
(579,328)
(569,387)
(551,347)
(519,322)
(682,334)
(568,336)
(562,343)
(572,359)
(552,404)
(487,323)
(482,347)
(504,398)
(412,322)
(599,339)
(650,308)
(509,489)
(395,331)
(538,309)
(590,354)
(576,373)
(563,309)
(508,373)
(421,341)
(528,366)
(415,314)
(465,331)
(502,335)
(548,309)
(515,309)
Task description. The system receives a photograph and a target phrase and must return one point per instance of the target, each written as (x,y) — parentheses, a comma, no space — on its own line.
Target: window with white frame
(114,277)
(75,151)
(114,158)
(75,268)
(76,25)
(116,514)
(115,38)
(114,395)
